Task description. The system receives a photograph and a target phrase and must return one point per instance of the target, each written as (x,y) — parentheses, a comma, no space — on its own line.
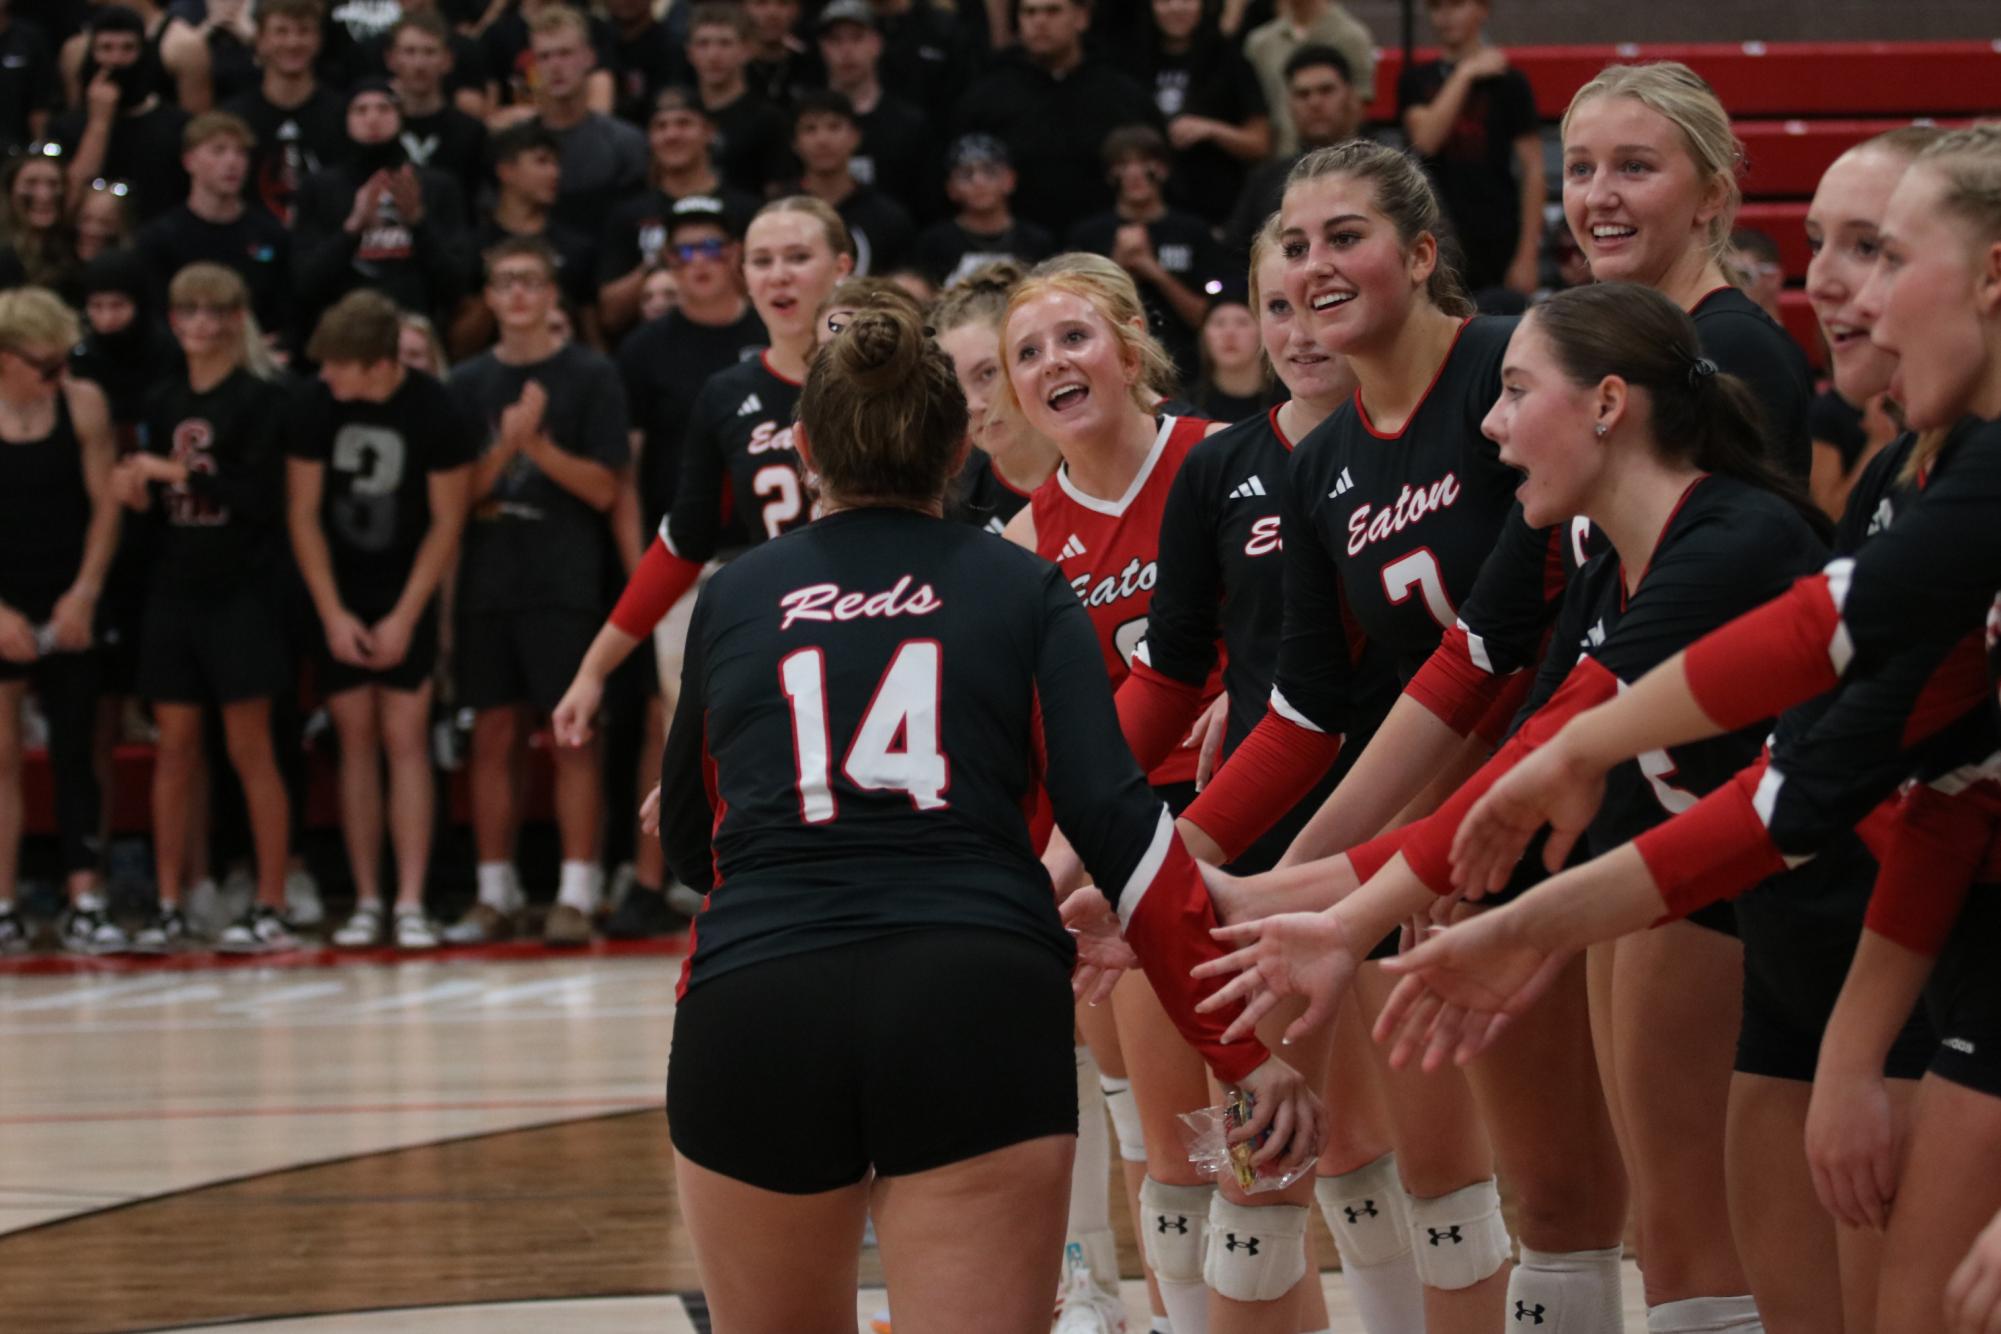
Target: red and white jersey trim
(1117,508)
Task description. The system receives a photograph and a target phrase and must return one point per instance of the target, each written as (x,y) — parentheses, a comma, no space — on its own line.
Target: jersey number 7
(896,747)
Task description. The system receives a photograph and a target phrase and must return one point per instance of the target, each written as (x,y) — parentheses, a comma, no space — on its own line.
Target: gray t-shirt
(530,543)
(603,164)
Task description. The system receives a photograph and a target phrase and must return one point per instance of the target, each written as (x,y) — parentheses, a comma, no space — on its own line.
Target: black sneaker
(91,931)
(644,914)
(164,931)
(13,931)
(259,931)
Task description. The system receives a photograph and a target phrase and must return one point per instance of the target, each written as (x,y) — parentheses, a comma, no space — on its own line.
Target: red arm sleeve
(1427,846)
(1714,850)
(1936,847)
(1455,688)
(1765,661)
(1268,775)
(1155,712)
(660,580)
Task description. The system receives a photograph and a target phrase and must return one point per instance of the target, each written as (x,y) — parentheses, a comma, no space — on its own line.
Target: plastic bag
(1206,1131)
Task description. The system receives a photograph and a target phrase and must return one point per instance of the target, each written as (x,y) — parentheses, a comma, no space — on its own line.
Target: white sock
(1187,1305)
(1705,1315)
(1378,1267)
(1090,1223)
(1388,1297)
(1568,1292)
(579,886)
(91,900)
(1160,1325)
(496,886)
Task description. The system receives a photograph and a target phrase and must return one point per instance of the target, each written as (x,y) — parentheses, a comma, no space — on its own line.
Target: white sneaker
(260,931)
(414,930)
(1082,1307)
(302,899)
(360,931)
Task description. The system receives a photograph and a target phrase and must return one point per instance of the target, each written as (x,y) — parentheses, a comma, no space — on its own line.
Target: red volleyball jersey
(1107,550)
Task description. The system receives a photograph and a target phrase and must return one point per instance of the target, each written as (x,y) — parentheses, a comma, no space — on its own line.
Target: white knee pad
(1119,1101)
(1368,1213)
(1255,1254)
(1567,1292)
(1459,1239)
(1177,1218)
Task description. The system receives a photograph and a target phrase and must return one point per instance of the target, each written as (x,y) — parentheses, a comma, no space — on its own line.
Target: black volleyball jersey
(982,497)
(1222,570)
(1390,530)
(867,706)
(737,462)
(1501,626)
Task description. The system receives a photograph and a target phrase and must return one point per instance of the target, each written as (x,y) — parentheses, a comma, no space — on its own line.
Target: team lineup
(1503,692)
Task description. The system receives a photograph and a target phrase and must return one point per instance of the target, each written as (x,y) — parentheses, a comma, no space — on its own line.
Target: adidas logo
(750,405)
(1342,485)
(1245,490)
(1071,549)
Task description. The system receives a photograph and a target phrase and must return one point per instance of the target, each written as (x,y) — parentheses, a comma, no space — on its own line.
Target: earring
(1599,430)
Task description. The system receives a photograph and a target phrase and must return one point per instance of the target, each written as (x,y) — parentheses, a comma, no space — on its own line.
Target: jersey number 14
(896,747)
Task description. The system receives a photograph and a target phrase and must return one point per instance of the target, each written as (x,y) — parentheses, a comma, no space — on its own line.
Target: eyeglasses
(518,280)
(118,188)
(710,249)
(47,371)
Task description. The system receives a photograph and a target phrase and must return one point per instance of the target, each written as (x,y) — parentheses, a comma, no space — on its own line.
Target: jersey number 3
(896,747)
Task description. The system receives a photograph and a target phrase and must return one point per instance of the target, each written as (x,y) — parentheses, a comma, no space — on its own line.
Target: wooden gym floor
(465,1143)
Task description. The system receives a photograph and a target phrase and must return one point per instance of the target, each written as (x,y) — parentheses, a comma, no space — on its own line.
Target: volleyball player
(378,485)
(1219,595)
(58,533)
(741,482)
(211,466)
(1610,410)
(1082,373)
(1391,507)
(867,915)
(1929,577)
(1008,461)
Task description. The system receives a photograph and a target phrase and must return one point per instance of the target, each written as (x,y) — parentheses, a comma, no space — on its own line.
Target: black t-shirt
(780,81)
(576,257)
(224,526)
(375,504)
(1187,249)
(738,460)
(1385,535)
(636,231)
(1054,129)
(28,81)
(752,146)
(451,142)
(1832,420)
(531,544)
(881,228)
(232,66)
(603,165)
(665,363)
(982,497)
(1206,400)
(918,649)
(926,58)
(643,65)
(1475,166)
(292,143)
(900,156)
(145,151)
(424,266)
(1214,81)
(255,245)
(947,252)
(1263,192)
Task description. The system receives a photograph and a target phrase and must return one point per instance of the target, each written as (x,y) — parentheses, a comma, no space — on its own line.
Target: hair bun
(879,348)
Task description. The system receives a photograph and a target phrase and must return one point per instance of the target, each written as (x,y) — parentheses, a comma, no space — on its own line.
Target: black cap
(120,271)
(846,11)
(703,208)
(373,85)
(970,150)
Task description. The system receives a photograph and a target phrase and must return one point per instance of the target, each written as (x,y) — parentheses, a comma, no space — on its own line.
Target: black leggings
(66,686)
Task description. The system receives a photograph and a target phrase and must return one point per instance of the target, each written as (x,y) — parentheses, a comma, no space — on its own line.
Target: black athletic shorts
(215,650)
(1965,996)
(1795,961)
(418,663)
(520,657)
(902,1053)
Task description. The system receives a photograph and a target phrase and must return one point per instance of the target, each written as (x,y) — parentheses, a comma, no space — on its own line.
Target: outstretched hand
(1291,954)
(1103,956)
(1550,787)
(1461,987)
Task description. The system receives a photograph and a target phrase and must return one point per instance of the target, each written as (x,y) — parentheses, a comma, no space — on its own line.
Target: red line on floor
(354,1109)
(317,957)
